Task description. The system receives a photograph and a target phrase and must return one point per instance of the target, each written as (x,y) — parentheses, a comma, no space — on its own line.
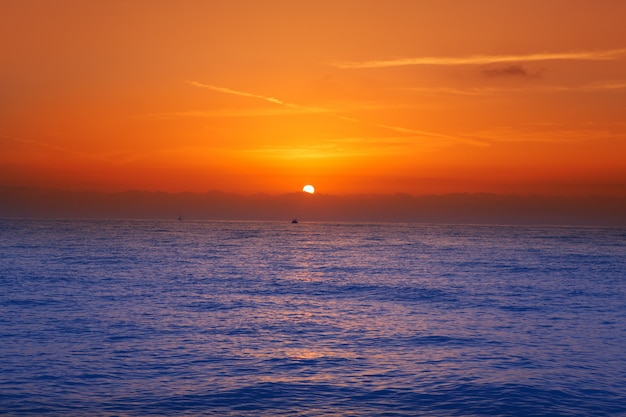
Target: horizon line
(317,193)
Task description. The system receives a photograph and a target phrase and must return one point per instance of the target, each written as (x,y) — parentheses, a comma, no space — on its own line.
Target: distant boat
(294,221)
(180,217)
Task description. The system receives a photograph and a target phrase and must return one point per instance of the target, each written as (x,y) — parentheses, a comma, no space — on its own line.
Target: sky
(352,96)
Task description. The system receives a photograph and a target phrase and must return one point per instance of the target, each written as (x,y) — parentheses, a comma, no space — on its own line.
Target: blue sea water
(171,318)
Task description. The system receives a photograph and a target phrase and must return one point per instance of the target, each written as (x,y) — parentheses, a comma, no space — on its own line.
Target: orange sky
(353,96)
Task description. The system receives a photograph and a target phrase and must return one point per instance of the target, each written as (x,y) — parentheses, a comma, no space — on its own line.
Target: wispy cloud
(555,135)
(473,91)
(115,156)
(240,93)
(606,85)
(41,144)
(343,147)
(476,141)
(324,151)
(400,129)
(599,86)
(486,59)
(252,112)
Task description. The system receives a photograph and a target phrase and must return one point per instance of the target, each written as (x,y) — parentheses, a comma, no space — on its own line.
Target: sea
(209,318)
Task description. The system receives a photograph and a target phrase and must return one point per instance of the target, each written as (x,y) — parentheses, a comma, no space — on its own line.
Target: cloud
(508,71)
(400,129)
(341,147)
(473,91)
(252,112)
(421,133)
(241,93)
(555,135)
(595,87)
(606,85)
(41,144)
(486,59)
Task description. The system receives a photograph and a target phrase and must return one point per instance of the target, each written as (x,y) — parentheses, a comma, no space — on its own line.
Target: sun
(308,189)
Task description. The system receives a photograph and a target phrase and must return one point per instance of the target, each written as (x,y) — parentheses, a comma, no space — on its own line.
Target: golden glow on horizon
(246,96)
(308,189)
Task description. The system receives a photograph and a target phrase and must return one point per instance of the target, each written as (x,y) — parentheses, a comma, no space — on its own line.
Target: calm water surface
(138,318)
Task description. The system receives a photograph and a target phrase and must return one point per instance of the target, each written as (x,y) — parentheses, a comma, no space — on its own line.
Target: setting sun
(308,189)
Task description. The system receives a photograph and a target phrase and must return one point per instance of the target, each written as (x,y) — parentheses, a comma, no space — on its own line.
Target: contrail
(240,93)
(472,141)
(486,59)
